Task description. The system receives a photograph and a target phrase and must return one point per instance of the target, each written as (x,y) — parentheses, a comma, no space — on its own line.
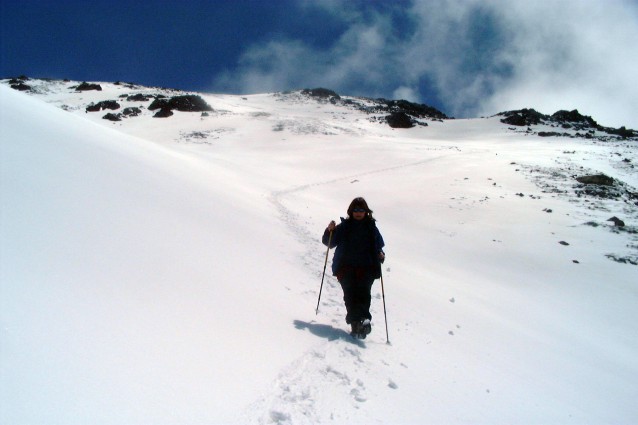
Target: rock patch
(87,87)
(400,120)
(567,120)
(398,113)
(105,104)
(186,103)
(163,113)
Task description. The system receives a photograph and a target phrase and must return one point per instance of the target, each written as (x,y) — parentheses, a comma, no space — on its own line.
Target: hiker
(356,262)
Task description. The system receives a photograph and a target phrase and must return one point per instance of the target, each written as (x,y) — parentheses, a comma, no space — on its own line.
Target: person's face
(358,213)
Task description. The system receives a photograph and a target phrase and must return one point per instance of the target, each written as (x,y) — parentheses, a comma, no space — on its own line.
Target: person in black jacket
(356,262)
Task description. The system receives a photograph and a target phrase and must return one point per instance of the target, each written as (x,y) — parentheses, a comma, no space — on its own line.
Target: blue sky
(468,58)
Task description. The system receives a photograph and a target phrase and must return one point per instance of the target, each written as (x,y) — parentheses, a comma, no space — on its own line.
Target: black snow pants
(356,283)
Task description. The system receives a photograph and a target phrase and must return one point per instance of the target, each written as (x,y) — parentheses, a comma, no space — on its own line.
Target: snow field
(151,278)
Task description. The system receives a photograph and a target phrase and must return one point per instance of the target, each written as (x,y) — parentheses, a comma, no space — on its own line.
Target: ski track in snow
(339,367)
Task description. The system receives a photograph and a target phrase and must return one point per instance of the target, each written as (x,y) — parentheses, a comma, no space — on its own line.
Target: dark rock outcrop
(112,117)
(139,98)
(573,120)
(417,110)
(402,113)
(163,113)
(21,87)
(400,120)
(19,84)
(597,179)
(565,117)
(623,132)
(19,80)
(159,104)
(549,134)
(523,117)
(88,86)
(617,222)
(105,104)
(321,93)
(604,187)
(189,103)
(186,103)
(131,112)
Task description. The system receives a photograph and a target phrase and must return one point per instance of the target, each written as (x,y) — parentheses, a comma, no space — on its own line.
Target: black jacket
(358,243)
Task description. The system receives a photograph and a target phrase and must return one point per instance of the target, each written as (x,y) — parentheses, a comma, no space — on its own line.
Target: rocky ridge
(567,124)
(395,113)
(399,113)
(162,100)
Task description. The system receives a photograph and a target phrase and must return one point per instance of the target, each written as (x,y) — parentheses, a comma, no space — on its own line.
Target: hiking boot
(366,326)
(361,328)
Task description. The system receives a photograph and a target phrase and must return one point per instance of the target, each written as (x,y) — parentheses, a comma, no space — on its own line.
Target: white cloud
(478,57)
(271,66)
(574,55)
(406,93)
(353,61)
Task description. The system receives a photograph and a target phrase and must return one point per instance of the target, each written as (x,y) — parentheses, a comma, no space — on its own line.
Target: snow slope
(166,271)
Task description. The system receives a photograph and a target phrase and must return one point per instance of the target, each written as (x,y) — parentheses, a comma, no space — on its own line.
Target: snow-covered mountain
(166,270)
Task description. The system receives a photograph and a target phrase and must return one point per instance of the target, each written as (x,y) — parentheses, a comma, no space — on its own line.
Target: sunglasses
(358,210)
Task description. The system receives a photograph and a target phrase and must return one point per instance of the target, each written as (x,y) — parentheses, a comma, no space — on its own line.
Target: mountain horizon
(518,117)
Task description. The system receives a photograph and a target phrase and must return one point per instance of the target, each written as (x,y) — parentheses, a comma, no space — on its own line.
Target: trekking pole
(324,272)
(387,338)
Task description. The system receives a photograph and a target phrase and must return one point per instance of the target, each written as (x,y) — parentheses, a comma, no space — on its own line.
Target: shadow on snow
(328,332)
